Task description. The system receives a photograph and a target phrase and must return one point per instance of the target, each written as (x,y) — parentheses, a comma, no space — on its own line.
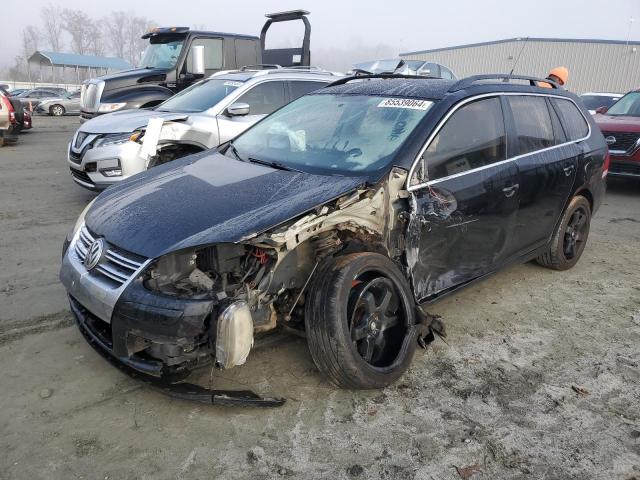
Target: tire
(570,237)
(337,313)
(56,110)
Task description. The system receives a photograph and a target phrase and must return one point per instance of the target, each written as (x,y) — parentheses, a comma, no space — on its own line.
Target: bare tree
(96,39)
(136,27)
(116,28)
(80,27)
(52,24)
(30,40)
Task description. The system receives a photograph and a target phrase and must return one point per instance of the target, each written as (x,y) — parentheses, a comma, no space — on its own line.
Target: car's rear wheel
(570,237)
(57,110)
(359,318)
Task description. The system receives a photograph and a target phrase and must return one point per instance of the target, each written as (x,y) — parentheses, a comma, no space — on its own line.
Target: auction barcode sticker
(411,103)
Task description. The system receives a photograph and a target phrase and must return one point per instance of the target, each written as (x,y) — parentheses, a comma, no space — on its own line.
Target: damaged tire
(570,237)
(359,318)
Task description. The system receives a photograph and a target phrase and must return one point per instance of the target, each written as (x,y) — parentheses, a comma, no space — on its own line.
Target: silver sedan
(69,103)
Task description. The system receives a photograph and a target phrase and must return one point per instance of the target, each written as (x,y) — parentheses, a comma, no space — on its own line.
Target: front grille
(116,265)
(82,176)
(90,96)
(618,167)
(75,157)
(624,140)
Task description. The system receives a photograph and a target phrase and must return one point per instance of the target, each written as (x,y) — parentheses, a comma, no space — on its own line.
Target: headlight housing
(110,107)
(112,139)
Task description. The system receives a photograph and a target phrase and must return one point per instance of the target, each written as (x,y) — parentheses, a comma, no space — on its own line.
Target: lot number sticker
(410,103)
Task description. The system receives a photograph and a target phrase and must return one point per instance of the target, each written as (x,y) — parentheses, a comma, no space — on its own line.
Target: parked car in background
(593,100)
(17,91)
(21,113)
(337,216)
(7,120)
(31,98)
(110,148)
(620,125)
(405,67)
(64,104)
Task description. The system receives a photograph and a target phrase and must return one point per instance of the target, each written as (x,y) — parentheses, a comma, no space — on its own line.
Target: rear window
(592,102)
(575,125)
(532,122)
(300,88)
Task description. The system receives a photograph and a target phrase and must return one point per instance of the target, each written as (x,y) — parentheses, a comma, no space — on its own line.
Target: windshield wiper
(273,164)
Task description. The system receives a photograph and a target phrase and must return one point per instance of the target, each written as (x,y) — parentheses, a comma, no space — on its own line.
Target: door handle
(510,191)
(569,170)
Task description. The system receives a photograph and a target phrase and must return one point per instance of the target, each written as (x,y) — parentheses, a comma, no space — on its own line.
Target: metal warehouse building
(594,65)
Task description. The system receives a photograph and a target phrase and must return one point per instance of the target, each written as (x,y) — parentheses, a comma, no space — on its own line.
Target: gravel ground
(538,378)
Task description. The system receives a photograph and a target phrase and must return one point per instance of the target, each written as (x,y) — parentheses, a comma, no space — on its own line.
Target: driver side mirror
(197,60)
(601,110)
(237,110)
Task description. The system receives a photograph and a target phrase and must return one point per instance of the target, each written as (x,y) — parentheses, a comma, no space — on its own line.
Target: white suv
(110,148)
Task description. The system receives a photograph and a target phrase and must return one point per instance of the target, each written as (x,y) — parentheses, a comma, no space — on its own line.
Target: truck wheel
(56,110)
(359,318)
(570,237)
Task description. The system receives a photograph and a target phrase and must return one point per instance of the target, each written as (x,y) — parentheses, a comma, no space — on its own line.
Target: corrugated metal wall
(597,66)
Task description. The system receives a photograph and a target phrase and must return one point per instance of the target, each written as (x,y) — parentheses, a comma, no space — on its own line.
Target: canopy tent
(84,66)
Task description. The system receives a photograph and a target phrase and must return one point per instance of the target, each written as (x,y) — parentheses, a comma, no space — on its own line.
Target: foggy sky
(347,31)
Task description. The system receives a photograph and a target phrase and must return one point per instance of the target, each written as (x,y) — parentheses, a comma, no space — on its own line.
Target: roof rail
(359,76)
(505,77)
(315,70)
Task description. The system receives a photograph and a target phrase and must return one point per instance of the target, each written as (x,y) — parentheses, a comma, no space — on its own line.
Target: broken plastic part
(234,337)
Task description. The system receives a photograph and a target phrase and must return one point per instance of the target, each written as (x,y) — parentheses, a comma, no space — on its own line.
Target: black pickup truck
(177,57)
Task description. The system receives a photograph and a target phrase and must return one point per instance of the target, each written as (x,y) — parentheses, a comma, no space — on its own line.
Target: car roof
(433,88)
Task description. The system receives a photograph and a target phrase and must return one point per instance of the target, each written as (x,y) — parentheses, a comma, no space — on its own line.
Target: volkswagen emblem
(94,254)
(610,140)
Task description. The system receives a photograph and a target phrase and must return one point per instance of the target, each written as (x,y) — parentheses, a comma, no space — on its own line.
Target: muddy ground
(539,377)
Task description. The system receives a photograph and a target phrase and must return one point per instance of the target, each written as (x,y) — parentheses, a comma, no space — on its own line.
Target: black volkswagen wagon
(337,217)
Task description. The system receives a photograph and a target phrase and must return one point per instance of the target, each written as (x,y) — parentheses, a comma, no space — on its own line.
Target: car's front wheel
(57,110)
(570,237)
(359,318)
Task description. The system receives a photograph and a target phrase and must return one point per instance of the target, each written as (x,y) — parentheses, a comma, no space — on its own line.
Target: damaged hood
(204,199)
(126,121)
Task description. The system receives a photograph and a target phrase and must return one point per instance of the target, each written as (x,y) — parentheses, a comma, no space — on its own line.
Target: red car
(620,125)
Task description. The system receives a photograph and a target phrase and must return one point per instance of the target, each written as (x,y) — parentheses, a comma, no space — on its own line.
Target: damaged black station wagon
(338,217)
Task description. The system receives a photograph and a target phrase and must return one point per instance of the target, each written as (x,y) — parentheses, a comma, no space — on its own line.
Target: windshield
(333,134)
(200,96)
(379,66)
(162,52)
(596,101)
(627,105)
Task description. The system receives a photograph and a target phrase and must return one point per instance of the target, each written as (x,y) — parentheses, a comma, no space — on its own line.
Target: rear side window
(532,123)
(446,73)
(473,137)
(212,53)
(300,88)
(264,98)
(574,123)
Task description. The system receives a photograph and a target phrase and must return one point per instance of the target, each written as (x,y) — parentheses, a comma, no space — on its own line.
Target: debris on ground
(468,472)
(579,390)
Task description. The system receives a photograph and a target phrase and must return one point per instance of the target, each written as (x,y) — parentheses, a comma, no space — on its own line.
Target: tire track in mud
(12,331)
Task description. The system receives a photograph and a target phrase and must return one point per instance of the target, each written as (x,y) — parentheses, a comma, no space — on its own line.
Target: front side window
(264,98)
(628,105)
(474,136)
(574,123)
(162,52)
(212,53)
(200,96)
(446,73)
(532,123)
(334,134)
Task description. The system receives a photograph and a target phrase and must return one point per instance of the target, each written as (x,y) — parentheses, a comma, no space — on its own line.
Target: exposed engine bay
(259,285)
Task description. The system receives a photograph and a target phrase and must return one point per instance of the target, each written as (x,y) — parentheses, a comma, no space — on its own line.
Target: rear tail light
(607,161)
(7,103)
